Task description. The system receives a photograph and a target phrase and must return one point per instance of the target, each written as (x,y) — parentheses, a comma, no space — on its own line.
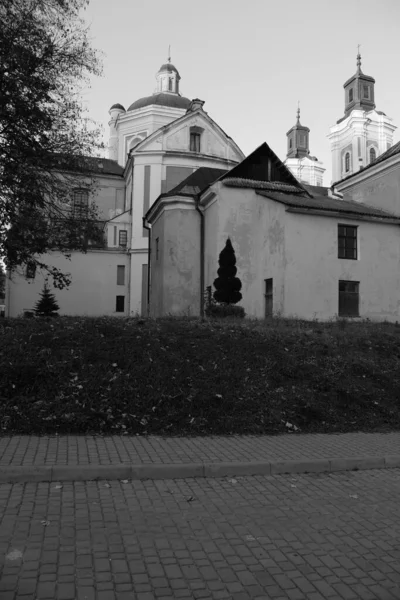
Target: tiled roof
(103,165)
(388,154)
(317,190)
(262,185)
(196,182)
(327,204)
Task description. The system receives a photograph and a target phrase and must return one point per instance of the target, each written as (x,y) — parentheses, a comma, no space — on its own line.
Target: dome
(119,106)
(162,99)
(168,67)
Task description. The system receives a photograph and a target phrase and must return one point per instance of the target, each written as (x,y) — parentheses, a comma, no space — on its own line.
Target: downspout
(202,232)
(130,245)
(148,265)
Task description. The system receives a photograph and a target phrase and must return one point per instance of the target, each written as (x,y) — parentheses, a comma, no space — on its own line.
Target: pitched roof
(327,204)
(103,165)
(91,164)
(196,182)
(388,154)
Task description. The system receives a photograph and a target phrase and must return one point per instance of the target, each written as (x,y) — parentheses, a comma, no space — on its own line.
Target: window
(268,297)
(195,142)
(80,203)
(123,238)
(30,270)
(372,154)
(303,141)
(290,143)
(170,85)
(351,95)
(115,236)
(120,304)
(157,247)
(347,162)
(120,274)
(366,91)
(347,242)
(349,298)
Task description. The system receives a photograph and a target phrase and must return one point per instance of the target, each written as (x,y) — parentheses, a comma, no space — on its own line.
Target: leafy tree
(227,285)
(45,139)
(46,306)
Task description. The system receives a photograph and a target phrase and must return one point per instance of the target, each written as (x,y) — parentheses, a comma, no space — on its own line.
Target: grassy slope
(185,377)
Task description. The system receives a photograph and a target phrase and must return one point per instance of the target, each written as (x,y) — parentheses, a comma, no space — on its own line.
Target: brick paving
(305,537)
(86,450)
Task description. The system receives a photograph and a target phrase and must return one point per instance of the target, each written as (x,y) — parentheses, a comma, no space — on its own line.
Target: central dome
(168,67)
(161,99)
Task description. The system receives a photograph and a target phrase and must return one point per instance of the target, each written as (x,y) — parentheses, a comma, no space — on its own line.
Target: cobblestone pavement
(85,450)
(304,537)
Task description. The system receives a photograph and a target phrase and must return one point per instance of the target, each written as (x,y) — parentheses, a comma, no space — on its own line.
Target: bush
(225,310)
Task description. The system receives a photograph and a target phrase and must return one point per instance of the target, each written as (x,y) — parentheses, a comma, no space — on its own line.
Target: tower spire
(169,53)
(298,112)
(358,59)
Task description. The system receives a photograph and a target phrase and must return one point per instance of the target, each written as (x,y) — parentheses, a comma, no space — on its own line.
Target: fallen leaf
(124,481)
(58,487)
(14,555)
(45,523)
(107,485)
(250,538)
(232,480)
(190,499)
(353,496)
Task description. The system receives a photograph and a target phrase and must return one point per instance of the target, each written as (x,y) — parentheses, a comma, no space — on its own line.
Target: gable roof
(388,154)
(263,165)
(179,120)
(327,204)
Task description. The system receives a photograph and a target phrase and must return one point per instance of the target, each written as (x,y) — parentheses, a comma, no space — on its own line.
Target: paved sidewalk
(63,458)
(310,537)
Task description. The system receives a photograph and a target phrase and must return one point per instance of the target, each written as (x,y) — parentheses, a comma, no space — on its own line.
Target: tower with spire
(307,169)
(363,133)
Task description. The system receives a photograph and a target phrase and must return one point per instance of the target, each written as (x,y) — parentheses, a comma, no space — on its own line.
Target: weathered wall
(313,269)
(255,226)
(157,267)
(381,191)
(93,290)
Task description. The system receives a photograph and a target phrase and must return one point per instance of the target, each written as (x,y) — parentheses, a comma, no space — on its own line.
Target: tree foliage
(227,285)
(47,305)
(2,282)
(45,137)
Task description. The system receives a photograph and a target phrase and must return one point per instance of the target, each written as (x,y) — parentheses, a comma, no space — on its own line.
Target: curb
(159,471)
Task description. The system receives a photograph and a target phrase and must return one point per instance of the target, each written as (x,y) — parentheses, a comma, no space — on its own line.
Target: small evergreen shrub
(227,285)
(47,305)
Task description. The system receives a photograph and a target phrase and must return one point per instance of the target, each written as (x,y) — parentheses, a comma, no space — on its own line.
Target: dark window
(120,304)
(30,271)
(170,85)
(123,237)
(121,275)
(303,141)
(347,162)
(347,241)
(157,247)
(366,91)
(195,142)
(349,298)
(268,297)
(351,95)
(81,203)
(290,143)
(372,154)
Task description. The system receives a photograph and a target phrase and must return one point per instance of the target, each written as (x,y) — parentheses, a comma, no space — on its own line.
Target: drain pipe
(145,226)
(202,232)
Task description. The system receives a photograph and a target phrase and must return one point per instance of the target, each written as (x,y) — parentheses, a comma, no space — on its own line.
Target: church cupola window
(347,162)
(366,91)
(298,140)
(359,91)
(170,83)
(351,96)
(372,154)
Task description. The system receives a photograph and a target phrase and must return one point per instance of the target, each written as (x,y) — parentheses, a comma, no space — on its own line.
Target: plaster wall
(313,269)
(381,190)
(92,292)
(255,226)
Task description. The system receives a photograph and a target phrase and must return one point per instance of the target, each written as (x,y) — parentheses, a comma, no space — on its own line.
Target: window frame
(82,211)
(368,96)
(120,274)
(351,95)
(348,297)
(123,231)
(269,297)
(157,248)
(372,149)
(347,162)
(195,141)
(118,304)
(30,272)
(347,251)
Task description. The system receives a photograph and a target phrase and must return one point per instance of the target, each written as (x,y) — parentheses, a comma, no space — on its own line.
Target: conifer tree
(47,305)
(227,285)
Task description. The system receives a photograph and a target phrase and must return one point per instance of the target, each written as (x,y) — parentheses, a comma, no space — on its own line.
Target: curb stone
(159,471)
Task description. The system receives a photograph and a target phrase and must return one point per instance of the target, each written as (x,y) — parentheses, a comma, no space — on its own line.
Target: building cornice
(343,215)
(369,174)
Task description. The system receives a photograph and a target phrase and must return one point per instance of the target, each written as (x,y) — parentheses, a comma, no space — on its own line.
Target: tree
(45,139)
(227,285)
(46,306)
(2,282)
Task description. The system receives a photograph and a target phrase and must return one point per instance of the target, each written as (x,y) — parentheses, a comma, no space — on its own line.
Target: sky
(252,61)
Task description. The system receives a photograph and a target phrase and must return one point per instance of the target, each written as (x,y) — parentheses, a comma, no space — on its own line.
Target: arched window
(351,95)
(170,84)
(80,203)
(372,154)
(134,142)
(347,162)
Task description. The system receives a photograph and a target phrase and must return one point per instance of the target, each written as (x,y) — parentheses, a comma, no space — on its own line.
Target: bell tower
(307,169)
(363,133)
(168,77)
